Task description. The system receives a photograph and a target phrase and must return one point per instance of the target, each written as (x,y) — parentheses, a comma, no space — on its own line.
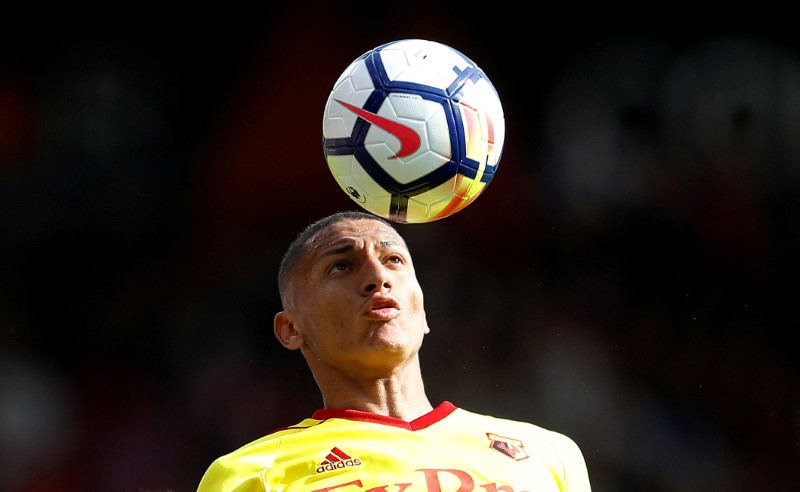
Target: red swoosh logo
(409,140)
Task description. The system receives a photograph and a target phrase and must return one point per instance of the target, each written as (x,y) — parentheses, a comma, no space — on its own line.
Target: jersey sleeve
(576,475)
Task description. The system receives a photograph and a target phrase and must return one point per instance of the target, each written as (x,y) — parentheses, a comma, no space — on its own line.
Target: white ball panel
(422,62)
(354,87)
(421,165)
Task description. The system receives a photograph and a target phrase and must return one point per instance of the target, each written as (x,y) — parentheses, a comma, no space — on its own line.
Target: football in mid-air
(413,131)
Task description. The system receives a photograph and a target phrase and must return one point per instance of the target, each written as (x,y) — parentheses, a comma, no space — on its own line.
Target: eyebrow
(349,247)
(344,248)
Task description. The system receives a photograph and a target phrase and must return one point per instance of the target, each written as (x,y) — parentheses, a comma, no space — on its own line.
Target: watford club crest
(509,447)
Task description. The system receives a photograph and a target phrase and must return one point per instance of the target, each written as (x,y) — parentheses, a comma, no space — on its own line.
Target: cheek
(322,314)
(417,301)
(418,295)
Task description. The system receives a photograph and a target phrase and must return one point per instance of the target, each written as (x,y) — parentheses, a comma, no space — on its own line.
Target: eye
(339,266)
(395,258)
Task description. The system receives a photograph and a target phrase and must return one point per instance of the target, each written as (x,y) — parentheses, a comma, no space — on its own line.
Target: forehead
(358,232)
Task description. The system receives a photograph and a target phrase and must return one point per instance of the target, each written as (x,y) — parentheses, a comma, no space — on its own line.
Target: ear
(285,331)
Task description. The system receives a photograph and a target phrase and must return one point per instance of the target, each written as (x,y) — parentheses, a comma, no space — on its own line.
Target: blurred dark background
(629,278)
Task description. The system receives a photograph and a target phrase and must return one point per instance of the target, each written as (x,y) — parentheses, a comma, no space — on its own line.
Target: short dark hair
(297,247)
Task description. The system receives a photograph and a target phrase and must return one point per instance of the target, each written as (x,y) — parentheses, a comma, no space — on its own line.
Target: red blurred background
(628,278)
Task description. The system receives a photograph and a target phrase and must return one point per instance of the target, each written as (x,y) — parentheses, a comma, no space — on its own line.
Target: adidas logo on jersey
(336,460)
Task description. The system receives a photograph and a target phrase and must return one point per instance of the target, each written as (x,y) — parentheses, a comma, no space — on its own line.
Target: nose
(375,276)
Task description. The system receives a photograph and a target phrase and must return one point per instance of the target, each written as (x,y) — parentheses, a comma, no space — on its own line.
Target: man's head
(302,244)
(350,295)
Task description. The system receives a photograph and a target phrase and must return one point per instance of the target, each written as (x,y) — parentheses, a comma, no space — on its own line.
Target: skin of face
(356,306)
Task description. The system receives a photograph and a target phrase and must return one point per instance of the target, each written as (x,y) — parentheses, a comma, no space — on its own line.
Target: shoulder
(241,469)
(468,415)
(525,441)
(545,444)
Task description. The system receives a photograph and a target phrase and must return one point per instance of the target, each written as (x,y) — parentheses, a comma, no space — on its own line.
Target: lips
(383,308)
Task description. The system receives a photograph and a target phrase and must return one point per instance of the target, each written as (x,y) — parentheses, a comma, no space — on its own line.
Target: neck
(400,394)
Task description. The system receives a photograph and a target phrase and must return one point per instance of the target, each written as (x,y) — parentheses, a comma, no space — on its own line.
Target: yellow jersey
(447,450)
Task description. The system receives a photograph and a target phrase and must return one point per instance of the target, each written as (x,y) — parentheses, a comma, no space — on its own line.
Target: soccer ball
(413,131)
